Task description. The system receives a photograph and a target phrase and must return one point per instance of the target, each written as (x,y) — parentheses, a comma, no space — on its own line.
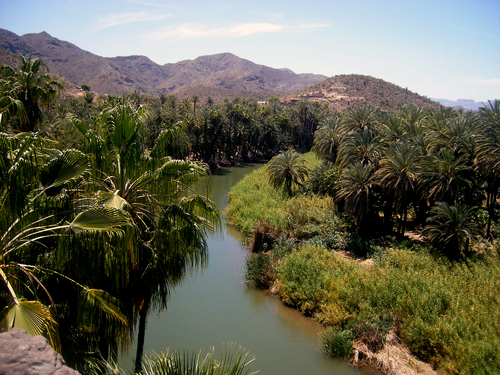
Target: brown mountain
(217,75)
(345,91)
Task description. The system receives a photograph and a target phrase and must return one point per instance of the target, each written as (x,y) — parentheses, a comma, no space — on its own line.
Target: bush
(337,343)
(259,271)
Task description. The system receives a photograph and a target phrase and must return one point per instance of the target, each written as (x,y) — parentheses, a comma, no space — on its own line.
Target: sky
(439,49)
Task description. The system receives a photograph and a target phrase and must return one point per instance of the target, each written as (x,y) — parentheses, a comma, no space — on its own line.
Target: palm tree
(360,119)
(24,91)
(458,134)
(286,170)
(195,99)
(398,174)
(327,139)
(445,177)
(29,240)
(356,189)
(363,146)
(170,219)
(451,228)
(323,179)
(488,155)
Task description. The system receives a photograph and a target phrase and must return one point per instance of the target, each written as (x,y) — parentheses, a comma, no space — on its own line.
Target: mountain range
(467,104)
(219,76)
(223,72)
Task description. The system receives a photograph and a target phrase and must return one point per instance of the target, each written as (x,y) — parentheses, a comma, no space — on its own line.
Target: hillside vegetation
(393,239)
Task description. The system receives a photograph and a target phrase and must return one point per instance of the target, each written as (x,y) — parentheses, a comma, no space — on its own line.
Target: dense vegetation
(98,222)
(93,237)
(415,190)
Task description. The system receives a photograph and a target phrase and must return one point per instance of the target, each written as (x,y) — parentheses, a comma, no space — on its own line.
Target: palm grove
(99,222)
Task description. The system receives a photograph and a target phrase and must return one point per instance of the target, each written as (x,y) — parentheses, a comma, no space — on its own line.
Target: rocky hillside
(222,75)
(344,91)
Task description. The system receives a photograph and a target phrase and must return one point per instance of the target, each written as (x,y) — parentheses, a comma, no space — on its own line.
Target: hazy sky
(440,49)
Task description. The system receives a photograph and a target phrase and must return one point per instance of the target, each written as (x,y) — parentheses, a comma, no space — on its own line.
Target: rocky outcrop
(22,354)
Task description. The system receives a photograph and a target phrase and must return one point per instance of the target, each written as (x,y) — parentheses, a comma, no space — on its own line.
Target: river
(216,307)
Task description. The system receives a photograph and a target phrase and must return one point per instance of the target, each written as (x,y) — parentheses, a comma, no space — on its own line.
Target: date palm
(488,155)
(445,177)
(287,170)
(356,189)
(398,173)
(360,119)
(451,229)
(327,139)
(363,146)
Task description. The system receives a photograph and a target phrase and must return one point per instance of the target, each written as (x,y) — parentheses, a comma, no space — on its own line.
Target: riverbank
(412,303)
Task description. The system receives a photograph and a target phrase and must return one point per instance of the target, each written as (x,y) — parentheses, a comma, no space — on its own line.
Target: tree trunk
(143,314)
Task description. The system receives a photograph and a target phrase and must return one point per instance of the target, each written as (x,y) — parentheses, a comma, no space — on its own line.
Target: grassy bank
(445,312)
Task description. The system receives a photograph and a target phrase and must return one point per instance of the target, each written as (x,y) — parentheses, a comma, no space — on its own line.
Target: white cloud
(123,18)
(199,30)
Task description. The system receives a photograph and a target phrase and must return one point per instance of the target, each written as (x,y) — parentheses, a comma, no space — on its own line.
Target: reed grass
(448,312)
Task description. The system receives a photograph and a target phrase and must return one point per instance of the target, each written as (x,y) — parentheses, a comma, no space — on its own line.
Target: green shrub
(258,271)
(302,278)
(253,200)
(337,343)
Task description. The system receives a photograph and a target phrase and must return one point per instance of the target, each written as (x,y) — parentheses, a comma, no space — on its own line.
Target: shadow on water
(217,307)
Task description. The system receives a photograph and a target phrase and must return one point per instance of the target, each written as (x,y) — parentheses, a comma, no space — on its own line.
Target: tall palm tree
(451,229)
(24,91)
(362,146)
(170,219)
(398,174)
(488,155)
(445,177)
(360,119)
(327,139)
(287,170)
(356,189)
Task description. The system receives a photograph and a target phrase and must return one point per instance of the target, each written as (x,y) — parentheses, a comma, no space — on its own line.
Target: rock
(22,354)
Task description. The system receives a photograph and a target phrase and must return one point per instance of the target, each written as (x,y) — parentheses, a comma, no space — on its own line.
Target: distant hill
(222,75)
(467,104)
(344,91)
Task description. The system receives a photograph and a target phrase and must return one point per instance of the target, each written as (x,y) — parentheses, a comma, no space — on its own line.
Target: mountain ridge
(131,73)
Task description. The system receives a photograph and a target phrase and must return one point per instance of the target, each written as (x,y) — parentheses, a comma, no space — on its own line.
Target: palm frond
(33,317)
(233,361)
(105,302)
(100,219)
(70,165)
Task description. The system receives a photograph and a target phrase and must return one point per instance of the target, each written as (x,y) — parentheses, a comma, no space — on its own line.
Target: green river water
(216,307)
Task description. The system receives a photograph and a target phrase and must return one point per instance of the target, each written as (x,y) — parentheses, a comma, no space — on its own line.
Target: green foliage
(287,170)
(447,312)
(253,199)
(302,278)
(258,271)
(233,361)
(337,343)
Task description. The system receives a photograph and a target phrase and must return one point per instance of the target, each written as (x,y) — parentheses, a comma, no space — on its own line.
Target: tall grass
(448,313)
(253,200)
